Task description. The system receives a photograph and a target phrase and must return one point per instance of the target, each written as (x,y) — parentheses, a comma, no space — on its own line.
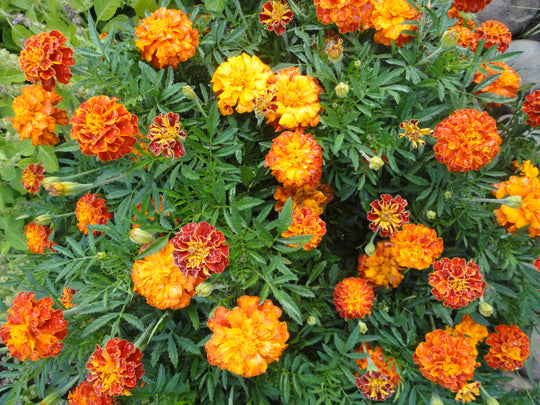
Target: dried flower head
(334,50)
(67,296)
(314,198)
(166,136)
(381,268)
(414,133)
(387,215)
(507,84)
(531,107)
(375,385)
(32,177)
(495,33)
(470,6)
(275,15)
(468,392)
(306,222)
(353,298)
(416,246)
(91,210)
(37,238)
(86,394)
(509,348)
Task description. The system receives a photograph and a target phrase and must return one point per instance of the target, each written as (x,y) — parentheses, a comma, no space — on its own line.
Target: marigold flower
(37,238)
(531,107)
(104,128)
(295,159)
(166,136)
(314,198)
(264,103)
(375,385)
(414,133)
(509,348)
(32,177)
(165,38)
(240,79)
(64,187)
(67,296)
(353,298)
(495,33)
(387,215)
(91,210)
(36,116)
(467,37)
(348,15)
(467,140)
(470,6)
(387,18)
(200,250)
(474,333)
(485,309)
(306,222)
(116,369)
(161,282)
(297,100)
(275,15)
(33,329)
(86,394)
(445,359)
(334,50)
(416,246)
(381,268)
(507,84)
(468,392)
(386,365)
(456,282)
(247,338)
(536,264)
(44,58)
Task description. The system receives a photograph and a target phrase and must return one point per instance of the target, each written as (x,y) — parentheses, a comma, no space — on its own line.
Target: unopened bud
(436,399)
(188,92)
(449,39)
(311,321)
(491,401)
(204,289)
(514,201)
(485,309)
(370,248)
(448,194)
(66,188)
(137,235)
(362,327)
(375,163)
(101,255)
(357,64)
(334,50)
(342,90)
(44,219)
(431,215)
(47,181)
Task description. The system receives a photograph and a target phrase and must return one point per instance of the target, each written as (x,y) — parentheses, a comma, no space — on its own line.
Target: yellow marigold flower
(387,17)
(37,238)
(468,392)
(305,222)
(507,84)
(295,159)
(416,246)
(240,79)
(414,133)
(36,116)
(334,50)
(67,296)
(165,38)
(247,338)
(297,100)
(91,210)
(86,394)
(474,333)
(32,177)
(314,198)
(353,298)
(380,268)
(161,282)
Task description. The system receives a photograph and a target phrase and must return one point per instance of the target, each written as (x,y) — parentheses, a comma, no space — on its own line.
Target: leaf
(105,9)
(285,218)
(142,5)
(288,304)
(214,5)
(99,323)
(48,157)
(248,202)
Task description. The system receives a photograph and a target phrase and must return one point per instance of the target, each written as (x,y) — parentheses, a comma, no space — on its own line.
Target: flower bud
(357,64)
(370,248)
(311,320)
(514,201)
(362,327)
(436,399)
(66,188)
(431,215)
(491,401)
(44,219)
(137,235)
(334,50)
(448,194)
(375,163)
(449,39)
(342,90)
(101,255)
(47,181)
(204,289)
(188,92)
(485,309)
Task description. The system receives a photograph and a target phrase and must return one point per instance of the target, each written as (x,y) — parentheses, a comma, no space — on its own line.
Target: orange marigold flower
(166,136)
(247,338)
(386,367)
(509,348)
(33,329)
(381,268)
(91,210)
(507,84)
(531,107)
(375,385)
(297,100)
(468,392)
(348,15)
(353,298)
(37,238)
(536,263)
(104,128)
(32,177)
(200,250)
(456,282)
(44,58)
(116,369)
(414,133)
(473,332)
(495,33)
(36,116)
(161,282)
(165,38)
(387,215)
(314,198)
(445,359)
(295,159)
(86,394)
(275,15)
(467,140)
(467,37)
(416,246)
(306,222)
(334,50)
(240,79)
(387,18)
(470,6)
(67,296)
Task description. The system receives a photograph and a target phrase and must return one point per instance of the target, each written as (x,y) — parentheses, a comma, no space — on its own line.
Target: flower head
(467,37)
(264,103)
(247,338)
(116,368)
(306,222)
(64,187)
(334,50)
(314,198)
(36,116)
(37,238)
(200,250)
(387,18)
(375,385)
(531,107)
(45,58)
(387,215)
(509,348)
(275,15)
(468,392)
(375,163)
(386,365)
(91,210)
(495,33)
(467,140)
(33,329)
(507,84)
(474,333)
(353,298)
(470,6)
(165,38)
(86,394)
(67,296)
(295,159)
(348,15)
(32,177)
(416,246)
(381,268)
(166,136)
(414,133)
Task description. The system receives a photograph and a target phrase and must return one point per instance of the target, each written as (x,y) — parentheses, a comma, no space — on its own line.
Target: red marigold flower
(495,33)
(306,222)
(166,136)
(295,159)
(91,210)
(32,177)
(86,394)
(36,116)
(468,392)
(33,329)
(536,264)
(414,132)
(470,6)
(445,359)
(467,140)
(509,348)
(313,198)
(67,296)
(44,58)
(474,333)
(348,15)
(165,38)
(467,37)
(275,16)
(456,282)
(385,364)
(387,215)
(116,369)
(247,338)
(416,246)
(531,107)
(161,282)
(104,128)
(381,268)
(353,298)
(37,238)
(375,385)
(200,250)
(507,84)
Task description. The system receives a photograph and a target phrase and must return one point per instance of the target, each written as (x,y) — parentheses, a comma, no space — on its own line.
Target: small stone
(533,361)
(515,14)
(526,65)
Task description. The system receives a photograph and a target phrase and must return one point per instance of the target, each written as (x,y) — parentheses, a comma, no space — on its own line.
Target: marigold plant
(38,238)
(67,296)
(375,385)
(91,210)
(473,332)
(470,6)
(507,84)
(353,298)
(385,364)
(468,392)
(416,246)
(314,198)
(496,34)
(509,348)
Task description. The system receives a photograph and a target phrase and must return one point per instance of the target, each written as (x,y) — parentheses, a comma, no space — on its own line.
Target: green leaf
(285,217)
(248,202)
(105,9)
(142,5)
(48,157)
(214,5)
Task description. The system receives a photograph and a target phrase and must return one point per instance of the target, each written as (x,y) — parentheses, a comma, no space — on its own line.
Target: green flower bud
(362,327)
(44,219)
(137,235)
(485,309)
(204,289)
(375,163)
(449,39)
(188,92)
(436,399)
(311,320)
(431,215)
(342,89)
(514,201)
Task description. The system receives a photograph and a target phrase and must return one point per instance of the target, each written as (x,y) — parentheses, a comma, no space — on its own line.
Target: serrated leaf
(48,157)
